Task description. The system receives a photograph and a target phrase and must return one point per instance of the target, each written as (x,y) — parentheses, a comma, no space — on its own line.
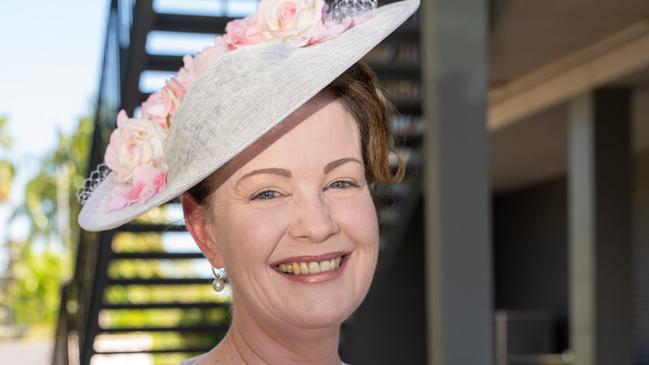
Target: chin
(322,314)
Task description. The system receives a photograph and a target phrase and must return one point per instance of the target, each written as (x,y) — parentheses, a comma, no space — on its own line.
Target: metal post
(136,62)
(457,214)
(599,227)
(103,256)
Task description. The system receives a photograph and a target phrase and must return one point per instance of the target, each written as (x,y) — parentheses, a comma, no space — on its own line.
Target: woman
(273,136)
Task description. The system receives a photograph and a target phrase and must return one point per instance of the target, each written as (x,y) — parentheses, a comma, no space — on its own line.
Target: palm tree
(6,167)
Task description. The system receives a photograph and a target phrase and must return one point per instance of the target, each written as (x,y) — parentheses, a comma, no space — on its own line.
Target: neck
(249,341)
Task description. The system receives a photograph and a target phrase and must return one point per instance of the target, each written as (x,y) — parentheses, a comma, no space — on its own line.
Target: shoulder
(193,360)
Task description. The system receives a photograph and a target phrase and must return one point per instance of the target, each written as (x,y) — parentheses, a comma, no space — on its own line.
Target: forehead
(320,131)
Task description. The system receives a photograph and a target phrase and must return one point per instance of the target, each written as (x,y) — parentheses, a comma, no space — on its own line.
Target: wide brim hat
(239,98)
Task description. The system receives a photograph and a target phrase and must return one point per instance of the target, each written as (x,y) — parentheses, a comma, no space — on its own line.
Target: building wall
(530,252)
(530,272)
(641,257)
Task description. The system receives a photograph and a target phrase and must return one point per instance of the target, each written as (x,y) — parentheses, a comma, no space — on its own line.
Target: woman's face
(302,202)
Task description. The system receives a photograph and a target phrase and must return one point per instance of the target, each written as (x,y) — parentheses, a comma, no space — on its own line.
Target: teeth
(325,266)
(312,267)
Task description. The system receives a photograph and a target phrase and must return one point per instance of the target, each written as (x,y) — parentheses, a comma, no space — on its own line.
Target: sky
(50,53)
(50,58)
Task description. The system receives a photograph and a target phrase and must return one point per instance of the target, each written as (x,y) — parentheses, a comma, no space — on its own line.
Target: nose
(313,220)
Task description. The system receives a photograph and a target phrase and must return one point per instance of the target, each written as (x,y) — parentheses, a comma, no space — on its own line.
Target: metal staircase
(140,271)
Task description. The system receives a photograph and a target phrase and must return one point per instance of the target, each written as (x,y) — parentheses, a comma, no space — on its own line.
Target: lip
(314,278)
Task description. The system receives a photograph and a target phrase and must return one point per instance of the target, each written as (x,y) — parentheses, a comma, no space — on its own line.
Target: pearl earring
(219,279)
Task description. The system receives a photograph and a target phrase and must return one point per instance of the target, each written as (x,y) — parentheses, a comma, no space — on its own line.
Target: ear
(198,227)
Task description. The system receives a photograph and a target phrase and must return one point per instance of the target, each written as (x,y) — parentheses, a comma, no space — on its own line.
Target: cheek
(249,236)
(357,219)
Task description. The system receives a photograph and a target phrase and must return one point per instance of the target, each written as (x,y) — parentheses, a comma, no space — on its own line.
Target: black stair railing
(73,331)
(98,292)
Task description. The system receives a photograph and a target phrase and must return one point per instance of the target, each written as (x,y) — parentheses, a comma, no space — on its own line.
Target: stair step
(157,255)
(409,140)
(191,328)
(407,33)
(159,281)
(396,71)
(149,227)
(216,25)
(406,107)
(189,23)
(172,63)
(165,305)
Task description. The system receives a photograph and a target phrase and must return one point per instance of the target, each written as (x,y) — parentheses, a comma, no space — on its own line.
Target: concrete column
(599,199)
(457,214)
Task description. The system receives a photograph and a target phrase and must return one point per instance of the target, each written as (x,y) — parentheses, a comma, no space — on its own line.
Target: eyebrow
(272,170)
(286,173)
(332,165)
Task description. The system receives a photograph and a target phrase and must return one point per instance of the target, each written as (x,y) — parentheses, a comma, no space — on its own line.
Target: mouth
(313,268)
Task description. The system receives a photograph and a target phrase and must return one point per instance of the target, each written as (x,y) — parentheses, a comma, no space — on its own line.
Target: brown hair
(359,91)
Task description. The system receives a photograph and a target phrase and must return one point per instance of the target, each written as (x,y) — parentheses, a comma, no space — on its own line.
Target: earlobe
(198,227)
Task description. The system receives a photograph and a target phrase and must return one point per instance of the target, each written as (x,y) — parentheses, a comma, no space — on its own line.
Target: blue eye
(342,184)
(266,195)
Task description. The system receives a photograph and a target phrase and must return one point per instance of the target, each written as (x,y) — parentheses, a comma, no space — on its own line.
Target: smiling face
(302,203)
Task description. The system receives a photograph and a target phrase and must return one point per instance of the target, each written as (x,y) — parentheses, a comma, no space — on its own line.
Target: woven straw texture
(238,99)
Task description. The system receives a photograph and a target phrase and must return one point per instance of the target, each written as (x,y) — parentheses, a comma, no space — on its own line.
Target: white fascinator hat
(226,97)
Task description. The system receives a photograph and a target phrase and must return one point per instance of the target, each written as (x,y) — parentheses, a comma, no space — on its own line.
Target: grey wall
(530,248)
(641,257)
(530,253)
(530,263)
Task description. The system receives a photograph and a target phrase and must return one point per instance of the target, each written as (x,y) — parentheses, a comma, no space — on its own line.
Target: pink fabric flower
(193,66)
(135,152)
(135,142)
(176,89)
(242,32)
(208,55)
(288,20)
(186,75)
(159,108)
(147,181)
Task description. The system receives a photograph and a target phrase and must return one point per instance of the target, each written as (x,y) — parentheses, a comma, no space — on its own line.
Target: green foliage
(64,168)
(50,208)
(35,292)
(5,139)
(7,170)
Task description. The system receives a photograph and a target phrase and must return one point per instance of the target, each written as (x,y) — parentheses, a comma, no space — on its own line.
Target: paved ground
(26,352)
(40,352)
